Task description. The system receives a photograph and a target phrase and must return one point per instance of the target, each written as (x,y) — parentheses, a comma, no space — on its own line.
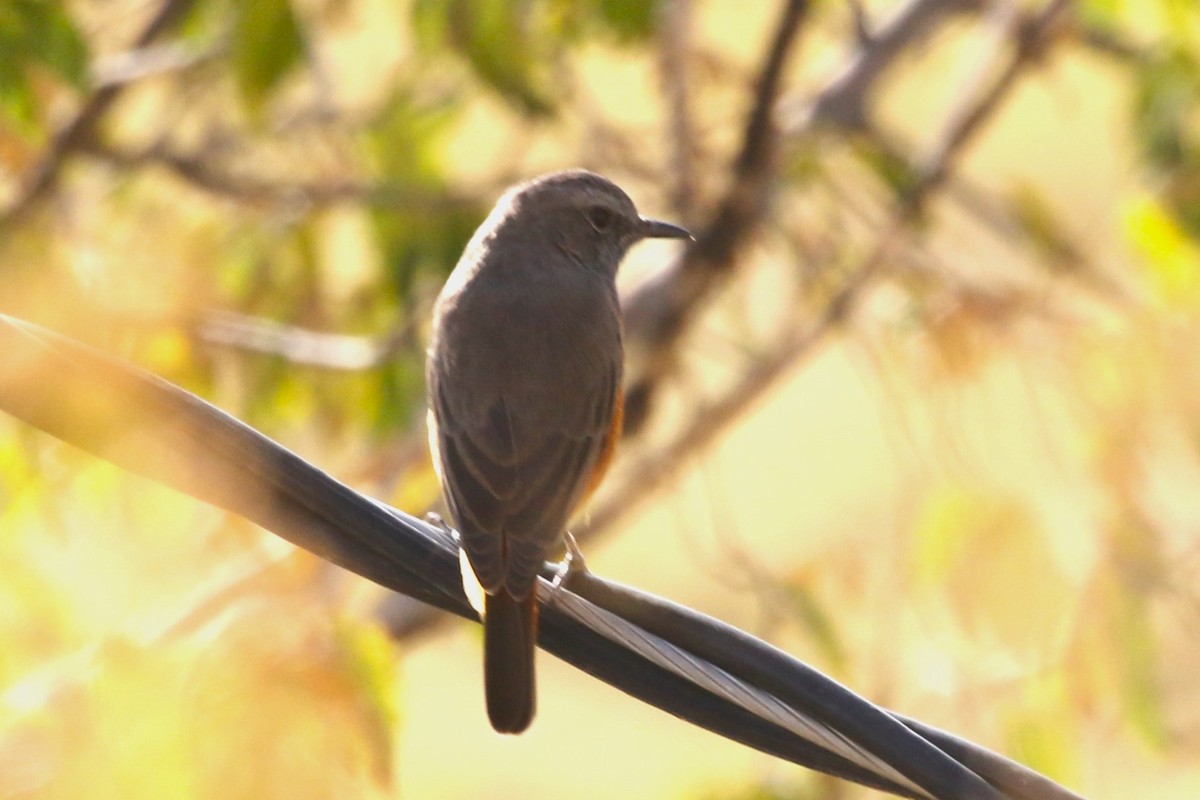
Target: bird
(524,390)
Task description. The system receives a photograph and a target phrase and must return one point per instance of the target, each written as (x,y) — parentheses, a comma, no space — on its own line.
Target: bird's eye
(601,218)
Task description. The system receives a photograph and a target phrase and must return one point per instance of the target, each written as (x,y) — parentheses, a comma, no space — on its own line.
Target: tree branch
(674,29)
(44,176)
(843,103)
(636,482)
(659,311)
(1032,35)
(303,346)
(657,314)
(252,189)
(639,481)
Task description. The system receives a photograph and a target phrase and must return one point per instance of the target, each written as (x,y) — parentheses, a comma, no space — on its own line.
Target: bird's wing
(513,480)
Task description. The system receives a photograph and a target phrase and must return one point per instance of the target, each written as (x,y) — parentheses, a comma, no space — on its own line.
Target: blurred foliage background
(922,406)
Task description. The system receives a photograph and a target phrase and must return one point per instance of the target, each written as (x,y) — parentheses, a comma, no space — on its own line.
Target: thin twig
(303,346)
(674,31)
(640,481)
(1033,34)
(44,175)
(843,103)
(245,187)
(658,311)
(155,61)
(636,483)
(657,314)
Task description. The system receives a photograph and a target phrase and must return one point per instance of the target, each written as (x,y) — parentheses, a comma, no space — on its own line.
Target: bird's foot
(572,566)
(435,519)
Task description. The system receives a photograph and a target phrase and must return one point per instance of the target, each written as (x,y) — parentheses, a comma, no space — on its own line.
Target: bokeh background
(922,406)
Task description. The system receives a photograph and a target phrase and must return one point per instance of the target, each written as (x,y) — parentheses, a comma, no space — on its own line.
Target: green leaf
(1103,14)
(41,31)
(887,165)
(405,144)
(17,103)
(60,47)
(1117,657)
(507,45)
(370,659)
(818,623)
(36,32)
(1168,92)
(266,44)
(1042,730)
(1040,223)
(1136,651)
(630,20)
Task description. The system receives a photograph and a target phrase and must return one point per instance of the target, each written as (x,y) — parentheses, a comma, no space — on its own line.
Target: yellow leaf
(985,558)
(167,351)
(1171,261)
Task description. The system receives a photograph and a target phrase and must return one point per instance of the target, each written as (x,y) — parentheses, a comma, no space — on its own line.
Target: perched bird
(525,401)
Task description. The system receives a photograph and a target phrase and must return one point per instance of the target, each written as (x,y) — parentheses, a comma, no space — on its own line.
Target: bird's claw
(571,567)
(435,519)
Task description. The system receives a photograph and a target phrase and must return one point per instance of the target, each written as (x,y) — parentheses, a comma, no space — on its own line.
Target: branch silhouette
(658,312)
(691,666)
(1032,36)
(933,172)
(77,132)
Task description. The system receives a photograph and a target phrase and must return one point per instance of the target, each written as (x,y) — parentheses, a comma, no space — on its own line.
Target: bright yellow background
(994,508)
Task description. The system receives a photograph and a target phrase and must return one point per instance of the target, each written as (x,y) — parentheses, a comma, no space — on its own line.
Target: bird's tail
(509,637)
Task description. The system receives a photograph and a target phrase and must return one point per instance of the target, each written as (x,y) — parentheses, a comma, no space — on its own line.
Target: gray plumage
(524,381)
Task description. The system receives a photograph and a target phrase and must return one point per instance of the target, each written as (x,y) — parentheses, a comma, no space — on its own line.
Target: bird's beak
(656,229)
